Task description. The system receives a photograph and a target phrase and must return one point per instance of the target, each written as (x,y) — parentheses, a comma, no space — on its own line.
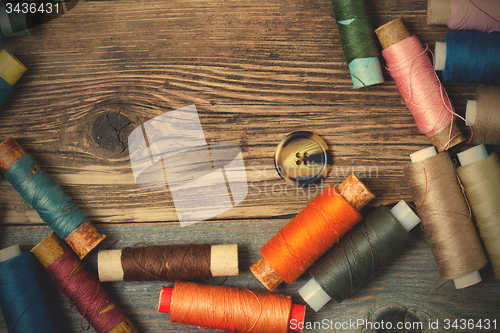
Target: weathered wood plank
(411,282)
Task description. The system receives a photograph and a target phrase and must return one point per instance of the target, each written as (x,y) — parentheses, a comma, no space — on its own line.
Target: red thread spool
(81,287)
(236,309)
(311,233)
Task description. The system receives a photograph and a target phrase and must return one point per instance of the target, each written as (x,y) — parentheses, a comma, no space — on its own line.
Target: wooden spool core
(83,239)
(353,191)
(394,32)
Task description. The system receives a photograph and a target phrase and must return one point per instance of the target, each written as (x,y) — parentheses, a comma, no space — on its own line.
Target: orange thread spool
(235,309)
(310,234)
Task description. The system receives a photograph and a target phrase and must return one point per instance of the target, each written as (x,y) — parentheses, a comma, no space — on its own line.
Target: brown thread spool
(52,248)
(168,262)
(483,114)
(445,217)
(82,239)
(355,193)
(394,32)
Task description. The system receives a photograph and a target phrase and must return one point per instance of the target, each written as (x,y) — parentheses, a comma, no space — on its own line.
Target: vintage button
(302,158)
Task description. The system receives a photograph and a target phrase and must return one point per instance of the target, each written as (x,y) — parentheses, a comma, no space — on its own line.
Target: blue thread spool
(469,57)
(11,71)
(23,299)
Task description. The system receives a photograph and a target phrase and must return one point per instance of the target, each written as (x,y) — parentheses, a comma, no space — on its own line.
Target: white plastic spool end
(439,56)
(423,154)
(471,111)
(314,295)
(467,280)
(405,215)
(472,155)
(9,253)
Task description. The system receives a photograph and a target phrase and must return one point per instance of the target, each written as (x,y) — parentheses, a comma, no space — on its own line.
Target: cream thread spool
(482,186)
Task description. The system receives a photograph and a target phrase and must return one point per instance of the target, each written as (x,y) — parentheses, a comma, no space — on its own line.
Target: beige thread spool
(483,114)
(445,217)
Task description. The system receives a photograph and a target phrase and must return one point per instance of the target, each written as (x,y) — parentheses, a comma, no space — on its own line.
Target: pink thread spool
(423,93)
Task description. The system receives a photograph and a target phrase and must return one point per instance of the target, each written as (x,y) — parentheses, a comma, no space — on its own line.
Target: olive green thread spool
(358,41)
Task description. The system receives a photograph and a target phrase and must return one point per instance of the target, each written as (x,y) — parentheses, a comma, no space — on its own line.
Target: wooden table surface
(256,72)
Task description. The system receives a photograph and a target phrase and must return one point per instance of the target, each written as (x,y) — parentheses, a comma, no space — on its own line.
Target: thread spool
(236,309)
(311,233)
(445,216)
(479,15)
(420,88)
(483,114)
(14,23)
(11,71)
(358,41)
(81,287)
(23,299)
(469,57)
(360,255)
(48,199)
(168,262)
(480,175)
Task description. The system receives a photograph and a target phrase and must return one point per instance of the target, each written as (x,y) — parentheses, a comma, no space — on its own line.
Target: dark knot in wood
(110,131)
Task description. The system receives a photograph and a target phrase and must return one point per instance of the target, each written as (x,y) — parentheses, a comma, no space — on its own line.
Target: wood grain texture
(256,72)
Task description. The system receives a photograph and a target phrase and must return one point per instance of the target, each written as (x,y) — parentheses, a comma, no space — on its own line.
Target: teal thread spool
(23,298)
(469,57)
(45,196)
(358,41)
(11,71)
(49,200)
